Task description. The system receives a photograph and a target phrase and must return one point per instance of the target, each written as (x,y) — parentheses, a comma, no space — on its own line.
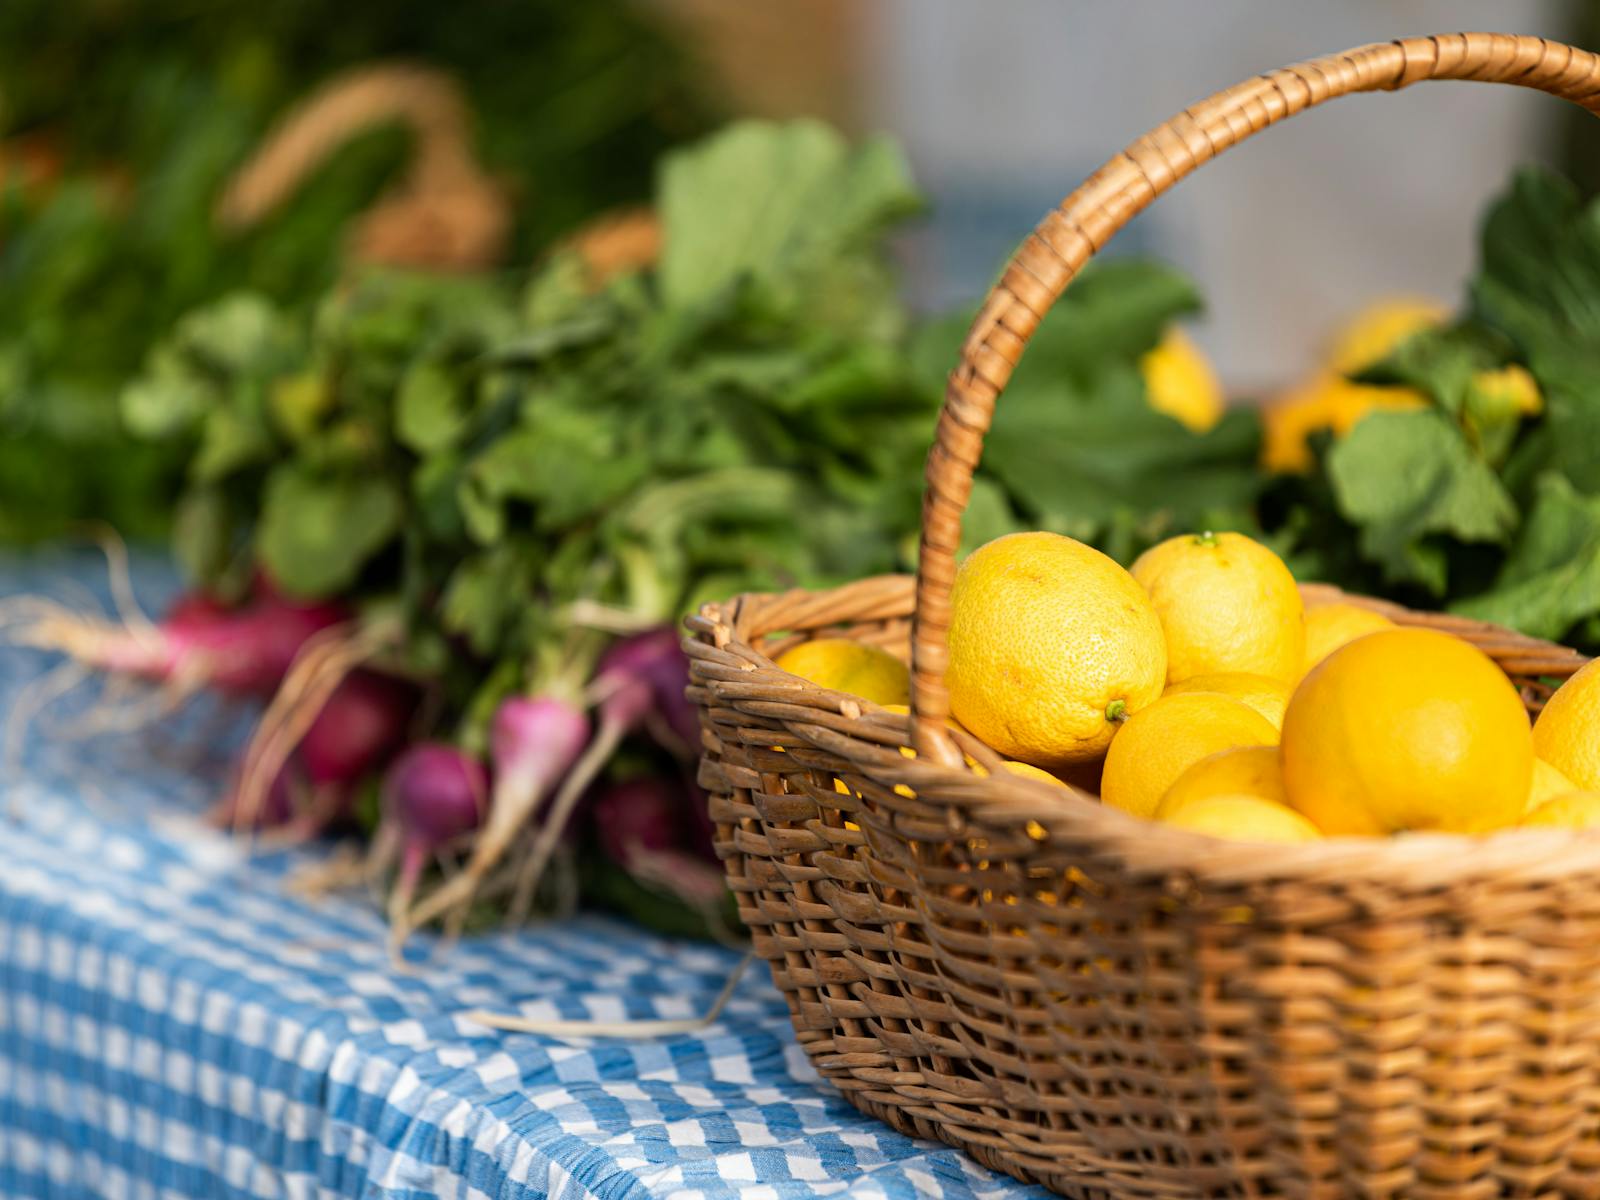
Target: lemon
(1267,696)
(1051,642)
(1227,604)
(1243,818)
(1407,729)
(1377,329)
(1567,733)
(1330,401)
(1240,771)
(1510,389)
(1180,382)
(1329,626)
(854,667)
(1029,771)
(1160,743)
(1571,810)
(1548,783)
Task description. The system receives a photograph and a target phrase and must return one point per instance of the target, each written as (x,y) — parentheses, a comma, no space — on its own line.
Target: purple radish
(639,824)
(533,743)
(361,725)
(657,657)
(637,814)
(433,794)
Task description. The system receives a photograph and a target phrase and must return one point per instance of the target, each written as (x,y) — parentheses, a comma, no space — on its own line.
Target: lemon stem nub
(1116,711)
(1205,539)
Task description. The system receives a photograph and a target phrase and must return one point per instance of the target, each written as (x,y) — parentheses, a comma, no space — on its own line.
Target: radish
(657,656)
(533,743)
(639,824)
(361,725)
(433,794)
(628,680)
(244,651)
(278,808)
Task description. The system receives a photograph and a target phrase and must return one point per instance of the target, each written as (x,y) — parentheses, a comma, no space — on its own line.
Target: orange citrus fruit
(1407,729)
(1160,743)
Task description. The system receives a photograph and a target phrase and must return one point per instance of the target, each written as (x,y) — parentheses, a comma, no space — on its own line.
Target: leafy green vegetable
(127,118)
(317,533)
(1403,476)
(1550,580)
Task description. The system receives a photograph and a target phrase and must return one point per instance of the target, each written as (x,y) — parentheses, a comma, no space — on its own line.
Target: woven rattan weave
(1116,1008)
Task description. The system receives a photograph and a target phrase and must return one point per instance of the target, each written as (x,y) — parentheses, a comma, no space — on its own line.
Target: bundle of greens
(120,125)
(1485,496)
(449,526)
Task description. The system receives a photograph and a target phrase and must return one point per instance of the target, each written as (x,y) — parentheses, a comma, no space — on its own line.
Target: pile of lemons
(1198,689)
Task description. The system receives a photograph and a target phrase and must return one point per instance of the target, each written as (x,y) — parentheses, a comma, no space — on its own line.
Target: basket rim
(1418,860)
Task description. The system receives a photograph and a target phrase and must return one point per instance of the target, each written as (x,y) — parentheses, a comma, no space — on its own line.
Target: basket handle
(1068,237)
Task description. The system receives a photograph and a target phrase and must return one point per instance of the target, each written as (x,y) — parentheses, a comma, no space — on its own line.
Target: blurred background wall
(1007,104)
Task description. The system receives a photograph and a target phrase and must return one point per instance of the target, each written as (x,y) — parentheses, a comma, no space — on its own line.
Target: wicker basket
(1117,1008)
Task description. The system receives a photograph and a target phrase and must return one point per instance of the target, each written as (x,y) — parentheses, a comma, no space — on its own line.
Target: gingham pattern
(173,1024)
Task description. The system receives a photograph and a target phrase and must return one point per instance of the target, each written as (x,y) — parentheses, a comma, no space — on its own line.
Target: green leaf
(318,532)
(773,204)
(232,437)
(1550,580)
(487,593)
(1452,366)
(169,398)
(299,402)
(1405,478)
(429,414)
(1539,283)
(569,462)
(238,333)
(204,534)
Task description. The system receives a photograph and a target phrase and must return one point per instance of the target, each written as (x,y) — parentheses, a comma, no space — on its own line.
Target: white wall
(1007,104)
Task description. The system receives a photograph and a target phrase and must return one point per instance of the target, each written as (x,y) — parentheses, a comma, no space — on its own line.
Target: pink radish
(627,683)
(433,794)
(533,743)
(244,651)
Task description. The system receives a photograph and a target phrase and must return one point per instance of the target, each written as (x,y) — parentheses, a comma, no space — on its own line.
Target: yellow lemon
(1407,729)
(1029,771)
(1377,329)
(1572,810)
(1243,818)
(1288,423)
(1567,733)
(1267,696)
(847,666)
(1328,400)
(1160,743)
(1548,783)
(1051,642)
(1510,388)
(1240,771)
(1180,382)
(1329,626)
(1349,402)
(1227,604)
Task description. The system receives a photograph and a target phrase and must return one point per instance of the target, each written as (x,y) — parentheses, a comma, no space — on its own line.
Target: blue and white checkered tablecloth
(173,1023)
